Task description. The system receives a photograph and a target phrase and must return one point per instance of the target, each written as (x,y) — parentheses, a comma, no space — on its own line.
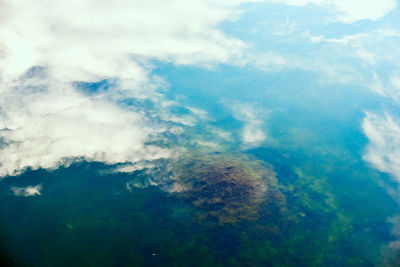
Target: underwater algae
(306,227)
(229,188)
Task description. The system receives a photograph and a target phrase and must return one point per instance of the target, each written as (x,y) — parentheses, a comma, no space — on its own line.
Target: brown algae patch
(229,188)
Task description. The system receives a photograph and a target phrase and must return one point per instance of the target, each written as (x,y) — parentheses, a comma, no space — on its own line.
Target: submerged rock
(229,188)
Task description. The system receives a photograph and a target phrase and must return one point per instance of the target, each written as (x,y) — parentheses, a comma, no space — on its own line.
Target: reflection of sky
(311,86)
(299,74)
(321,76)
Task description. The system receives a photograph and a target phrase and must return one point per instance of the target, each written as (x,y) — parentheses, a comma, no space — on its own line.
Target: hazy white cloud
(383,150)
(46,46)
(130,168)
(390,89)
(356,58)
(55,124)
(395,81)
(90,40)
(272,61)
(27,191)
(352,39)
(390,32)
(376,85)
(220,133)
(349,11)
(358,44)
(253,118)
(252,133)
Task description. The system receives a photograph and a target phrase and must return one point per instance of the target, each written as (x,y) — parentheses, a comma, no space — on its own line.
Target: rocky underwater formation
(229,188)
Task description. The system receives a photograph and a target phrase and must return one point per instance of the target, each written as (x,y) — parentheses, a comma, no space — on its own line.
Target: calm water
(337,207)
(86,218)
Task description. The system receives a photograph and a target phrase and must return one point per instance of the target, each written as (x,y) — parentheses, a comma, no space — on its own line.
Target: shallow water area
(234,210)
(228,187)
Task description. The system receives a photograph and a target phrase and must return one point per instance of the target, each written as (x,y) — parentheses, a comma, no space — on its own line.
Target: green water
(86,217)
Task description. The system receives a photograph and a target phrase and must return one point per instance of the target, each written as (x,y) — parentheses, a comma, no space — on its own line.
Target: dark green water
(85,217)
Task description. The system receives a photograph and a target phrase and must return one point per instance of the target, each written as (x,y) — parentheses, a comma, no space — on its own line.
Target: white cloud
(383,150)
(252,134)
(395,81)
(133,167)
(254,119)
(224,135)
(271,61)
(46,46)
(27,191)
(376,85)
(45,128)
(355,58)
(355,42)
(349,11)
(391,89)
(90,40)
(352,39)
(390,32)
